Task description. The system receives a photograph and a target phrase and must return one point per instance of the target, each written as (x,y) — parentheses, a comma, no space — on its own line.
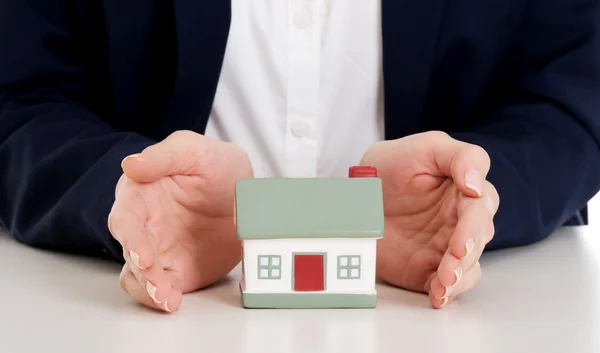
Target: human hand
(173,215)
(439,212)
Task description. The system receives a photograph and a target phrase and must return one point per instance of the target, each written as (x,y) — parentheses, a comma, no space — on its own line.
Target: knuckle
(477,152)
(111,221)
(116,221)
(491,189)
(183,135)
(492,193)
(437,135)
(489,206)
(120,184)
(151,148)
(491,232)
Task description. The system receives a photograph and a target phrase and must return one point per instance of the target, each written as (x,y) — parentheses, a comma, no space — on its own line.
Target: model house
(310,243)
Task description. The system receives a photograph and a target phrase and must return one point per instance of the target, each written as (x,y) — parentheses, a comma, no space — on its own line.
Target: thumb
(467,164)
(175,155)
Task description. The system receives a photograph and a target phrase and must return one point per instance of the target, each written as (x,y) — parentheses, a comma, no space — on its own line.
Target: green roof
(272,208)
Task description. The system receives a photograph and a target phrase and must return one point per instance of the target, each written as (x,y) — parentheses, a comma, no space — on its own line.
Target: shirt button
(301,130)
(302,18)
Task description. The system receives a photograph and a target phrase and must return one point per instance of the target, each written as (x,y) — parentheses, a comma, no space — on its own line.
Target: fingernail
(473,180)
(151,289)
(166,306)
(447,291)
(135,258)
(126,158)
(444,302)
(469,245)
(458,273)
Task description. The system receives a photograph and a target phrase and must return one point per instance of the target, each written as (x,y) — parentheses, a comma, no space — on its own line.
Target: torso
(301,85)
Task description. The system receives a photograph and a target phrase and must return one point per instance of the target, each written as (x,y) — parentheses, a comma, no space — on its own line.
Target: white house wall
(366,248)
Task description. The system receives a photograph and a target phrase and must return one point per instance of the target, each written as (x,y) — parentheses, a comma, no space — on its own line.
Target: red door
(309,273)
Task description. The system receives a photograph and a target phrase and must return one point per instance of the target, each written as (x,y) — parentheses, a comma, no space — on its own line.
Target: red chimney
(362,172)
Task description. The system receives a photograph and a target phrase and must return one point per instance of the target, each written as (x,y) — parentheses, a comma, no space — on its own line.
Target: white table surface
(542,298)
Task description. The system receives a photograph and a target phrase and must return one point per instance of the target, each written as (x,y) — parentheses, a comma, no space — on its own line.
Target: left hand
(439,212)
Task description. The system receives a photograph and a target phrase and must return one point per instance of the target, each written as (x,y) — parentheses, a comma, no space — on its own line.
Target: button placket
(304,58)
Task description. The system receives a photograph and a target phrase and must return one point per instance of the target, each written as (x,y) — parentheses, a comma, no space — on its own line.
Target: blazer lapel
(410,30)
(202,28)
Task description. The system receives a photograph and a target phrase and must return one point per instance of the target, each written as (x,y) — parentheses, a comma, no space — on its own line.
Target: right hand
(173,215)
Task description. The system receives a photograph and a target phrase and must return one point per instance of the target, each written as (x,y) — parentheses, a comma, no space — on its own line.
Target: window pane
(264,273)
(354,273)
(275,273)
(343,273)
(343,261)
(275,261)
(355,261)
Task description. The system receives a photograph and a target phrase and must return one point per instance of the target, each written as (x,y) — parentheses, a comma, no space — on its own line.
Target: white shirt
(301,88)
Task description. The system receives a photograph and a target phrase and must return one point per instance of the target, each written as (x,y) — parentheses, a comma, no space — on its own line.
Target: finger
(139,293)
(474,219)
(177,154)
(469,168)
(132,287)
(126,224)
(474,230)
(154,279)
(440,296)
(466,163)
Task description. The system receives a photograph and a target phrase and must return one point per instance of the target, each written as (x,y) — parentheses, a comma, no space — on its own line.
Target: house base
(308,300)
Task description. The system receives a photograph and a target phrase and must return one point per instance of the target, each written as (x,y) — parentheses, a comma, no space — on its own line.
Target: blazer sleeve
(59,160)
(543,132)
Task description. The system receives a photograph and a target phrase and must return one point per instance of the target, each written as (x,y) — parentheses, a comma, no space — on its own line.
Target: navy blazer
(84,83)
